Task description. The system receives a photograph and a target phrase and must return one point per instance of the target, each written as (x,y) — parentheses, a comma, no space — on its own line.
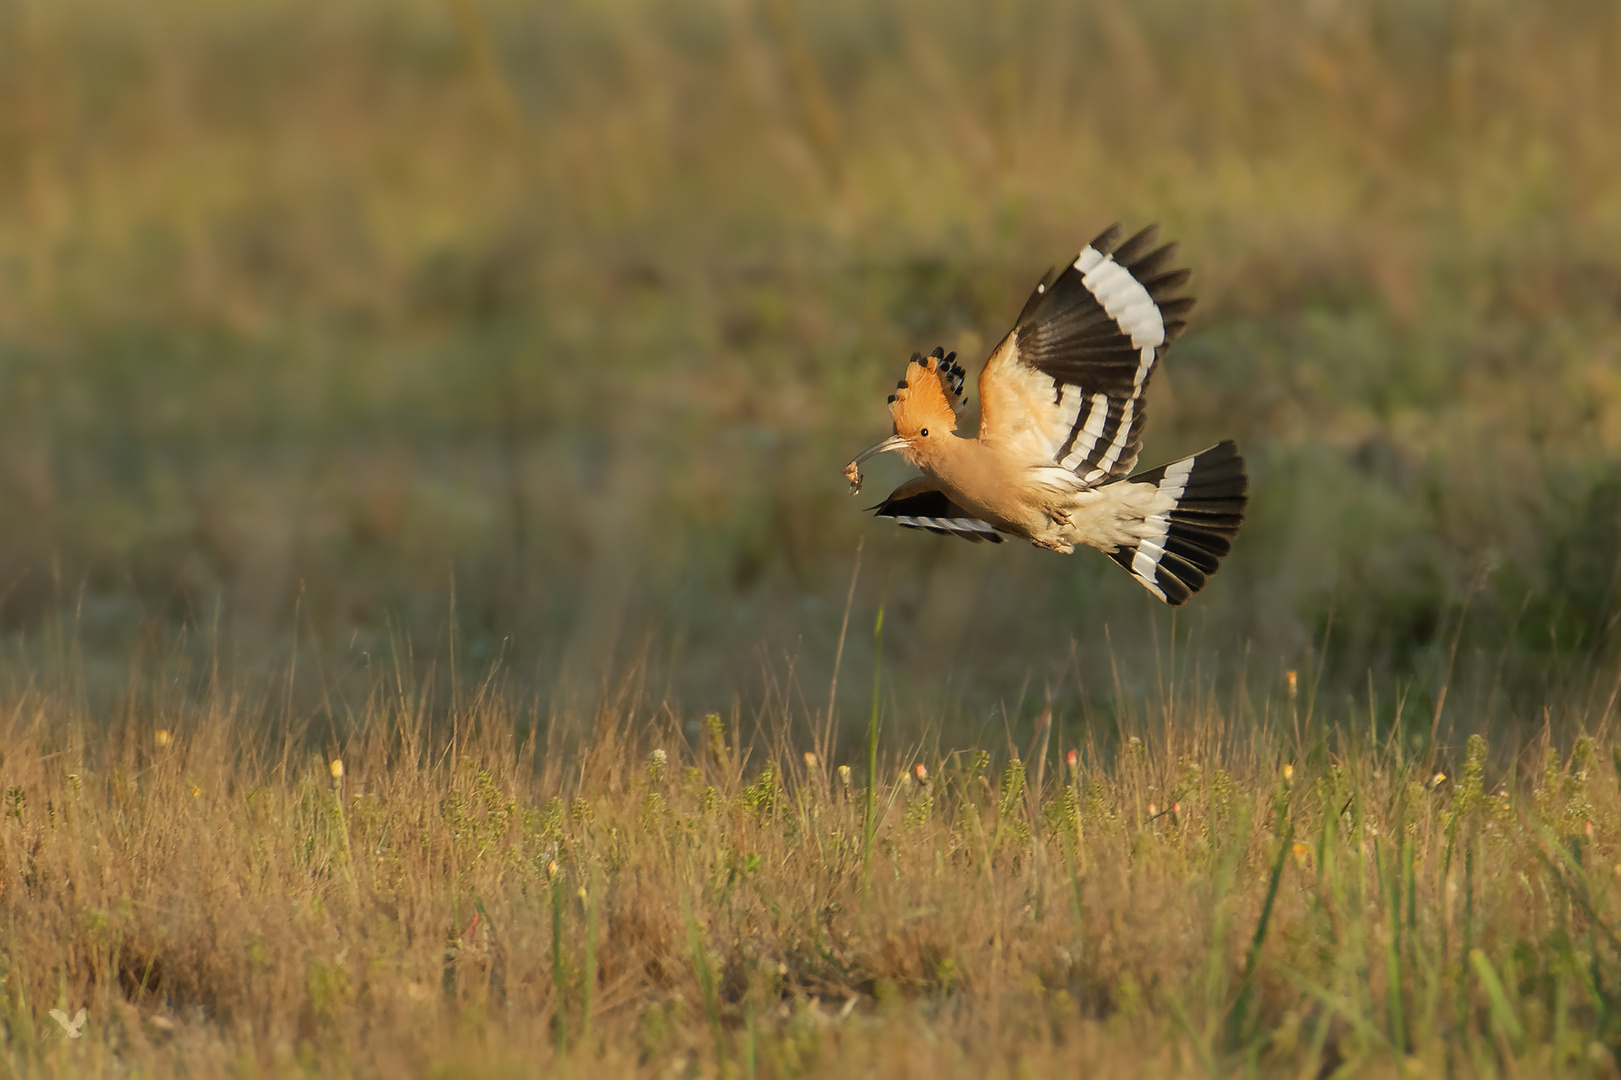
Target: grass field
(1221,894)
(459,389)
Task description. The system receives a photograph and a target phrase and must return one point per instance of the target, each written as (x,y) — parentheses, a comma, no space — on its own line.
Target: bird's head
(924,408)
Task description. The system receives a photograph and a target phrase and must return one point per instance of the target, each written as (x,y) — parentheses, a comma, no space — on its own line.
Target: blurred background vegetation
(352,329)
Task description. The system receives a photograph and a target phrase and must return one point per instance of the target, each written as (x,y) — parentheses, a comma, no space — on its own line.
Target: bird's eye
(925,433)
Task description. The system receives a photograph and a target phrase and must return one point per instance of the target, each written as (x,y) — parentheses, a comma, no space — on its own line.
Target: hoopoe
(1061,420)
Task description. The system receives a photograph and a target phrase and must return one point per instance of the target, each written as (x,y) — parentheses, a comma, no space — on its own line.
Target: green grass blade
(1236,1017)
(1393,953)
(870,817)
(1502,1012)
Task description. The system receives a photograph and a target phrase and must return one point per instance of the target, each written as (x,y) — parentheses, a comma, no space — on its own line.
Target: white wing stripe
(1087,440)
(1121,434)
(1069,417)
(948,524)
(1145,567)
(1144,365)
(1175,480)
(1123,297)
(1151,549)
(1146,561)
(1128,302)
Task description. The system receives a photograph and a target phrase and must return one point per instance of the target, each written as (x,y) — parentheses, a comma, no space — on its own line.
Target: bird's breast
(1012,496)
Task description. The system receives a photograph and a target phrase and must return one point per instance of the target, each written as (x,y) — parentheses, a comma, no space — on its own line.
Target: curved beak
(852,471)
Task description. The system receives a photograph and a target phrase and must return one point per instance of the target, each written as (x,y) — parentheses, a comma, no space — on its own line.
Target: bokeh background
(334,333)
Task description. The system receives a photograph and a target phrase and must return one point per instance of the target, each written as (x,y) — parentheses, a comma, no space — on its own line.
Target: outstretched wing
(917,504)
(1066,385)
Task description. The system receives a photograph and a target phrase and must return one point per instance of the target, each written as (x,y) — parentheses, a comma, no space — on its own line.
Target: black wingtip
(1106,241)
(1128,253)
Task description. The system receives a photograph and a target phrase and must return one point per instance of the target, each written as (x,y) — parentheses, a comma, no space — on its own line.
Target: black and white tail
(1183,544)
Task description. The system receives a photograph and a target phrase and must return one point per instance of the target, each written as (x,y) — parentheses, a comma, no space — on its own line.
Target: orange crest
(929,396)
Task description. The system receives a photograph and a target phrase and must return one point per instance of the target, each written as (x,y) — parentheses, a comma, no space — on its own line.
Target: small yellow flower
(1288,774)
(1301,852)
(196,792)
(810,760)
(337,769)
(162,737)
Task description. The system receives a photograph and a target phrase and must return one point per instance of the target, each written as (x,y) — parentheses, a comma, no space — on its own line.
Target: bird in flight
(1061,421)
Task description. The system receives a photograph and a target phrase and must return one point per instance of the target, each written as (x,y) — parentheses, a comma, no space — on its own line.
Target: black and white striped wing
(1200,504)
(1066,385)
(916,504)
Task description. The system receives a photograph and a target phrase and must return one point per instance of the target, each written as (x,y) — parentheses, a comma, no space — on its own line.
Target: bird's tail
(1202,500)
